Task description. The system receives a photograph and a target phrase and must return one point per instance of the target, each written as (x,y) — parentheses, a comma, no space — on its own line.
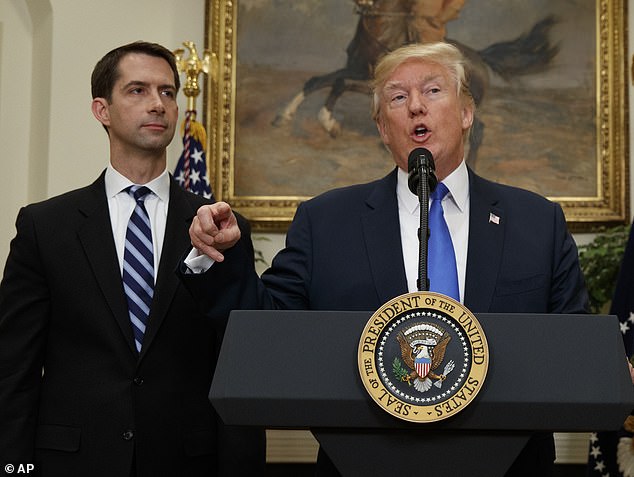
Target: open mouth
(420,131)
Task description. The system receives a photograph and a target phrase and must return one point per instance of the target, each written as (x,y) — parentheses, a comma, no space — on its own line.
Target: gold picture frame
(605,203)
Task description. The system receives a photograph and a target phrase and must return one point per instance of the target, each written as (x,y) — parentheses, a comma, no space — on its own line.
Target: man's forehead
(134,68)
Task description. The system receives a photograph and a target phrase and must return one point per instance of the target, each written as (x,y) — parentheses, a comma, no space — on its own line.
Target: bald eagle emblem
(423,347)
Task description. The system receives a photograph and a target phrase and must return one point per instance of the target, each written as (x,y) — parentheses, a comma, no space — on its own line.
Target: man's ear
(101,111)
(467,116)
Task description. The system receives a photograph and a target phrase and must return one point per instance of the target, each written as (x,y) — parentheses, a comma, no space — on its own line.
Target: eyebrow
(143,83)
(394,85)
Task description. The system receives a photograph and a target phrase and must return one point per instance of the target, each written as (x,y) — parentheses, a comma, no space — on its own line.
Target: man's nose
(417,103)
(156,103)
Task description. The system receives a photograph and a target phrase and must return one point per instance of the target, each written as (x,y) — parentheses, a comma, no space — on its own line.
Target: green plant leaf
(600,261)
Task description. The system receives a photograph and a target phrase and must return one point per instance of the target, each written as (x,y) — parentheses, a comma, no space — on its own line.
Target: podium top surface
(297,369)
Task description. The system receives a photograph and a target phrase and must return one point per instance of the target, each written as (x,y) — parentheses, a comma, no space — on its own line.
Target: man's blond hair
(441,53)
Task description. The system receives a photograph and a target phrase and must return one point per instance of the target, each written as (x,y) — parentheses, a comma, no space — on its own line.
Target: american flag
(612,453)
(191,169)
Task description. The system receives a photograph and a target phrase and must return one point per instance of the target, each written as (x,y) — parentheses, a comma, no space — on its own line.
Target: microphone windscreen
(412,159)
(412,180)
(416,158)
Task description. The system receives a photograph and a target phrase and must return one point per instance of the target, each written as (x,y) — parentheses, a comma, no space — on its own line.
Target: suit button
(128,435)
(138,380)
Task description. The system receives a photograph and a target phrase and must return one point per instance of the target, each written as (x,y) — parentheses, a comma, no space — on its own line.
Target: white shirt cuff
(197,262)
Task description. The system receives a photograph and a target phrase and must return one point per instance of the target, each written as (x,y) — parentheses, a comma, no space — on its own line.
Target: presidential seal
(423,357)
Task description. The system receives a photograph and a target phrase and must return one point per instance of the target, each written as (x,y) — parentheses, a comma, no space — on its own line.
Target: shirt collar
(457,182)
(117,182)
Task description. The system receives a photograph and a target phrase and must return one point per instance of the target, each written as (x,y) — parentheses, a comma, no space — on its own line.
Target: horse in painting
(385,25)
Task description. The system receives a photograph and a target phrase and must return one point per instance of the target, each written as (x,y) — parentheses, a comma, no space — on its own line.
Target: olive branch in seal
(399,371)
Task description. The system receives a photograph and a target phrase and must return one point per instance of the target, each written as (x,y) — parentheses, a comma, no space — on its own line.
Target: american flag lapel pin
(494,219)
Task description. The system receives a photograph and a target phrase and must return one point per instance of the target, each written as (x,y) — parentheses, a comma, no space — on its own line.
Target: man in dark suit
(355,248)
(81,393)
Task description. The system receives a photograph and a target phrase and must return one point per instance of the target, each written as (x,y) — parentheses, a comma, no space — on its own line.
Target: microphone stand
(423,191)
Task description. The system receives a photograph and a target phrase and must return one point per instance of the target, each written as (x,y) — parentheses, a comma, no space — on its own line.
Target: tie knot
(439,192)
(138,192)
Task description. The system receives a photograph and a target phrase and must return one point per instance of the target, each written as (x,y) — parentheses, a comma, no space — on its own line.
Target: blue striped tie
(443,275)
(138,265)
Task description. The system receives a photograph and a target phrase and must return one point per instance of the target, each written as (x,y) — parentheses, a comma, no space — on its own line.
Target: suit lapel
(95,235)
(487,224)
(179,216)
(382,236)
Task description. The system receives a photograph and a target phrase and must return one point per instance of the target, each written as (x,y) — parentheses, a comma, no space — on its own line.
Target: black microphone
(421,162)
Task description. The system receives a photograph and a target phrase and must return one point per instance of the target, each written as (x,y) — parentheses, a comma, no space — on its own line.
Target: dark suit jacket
(99,404)
(343,252)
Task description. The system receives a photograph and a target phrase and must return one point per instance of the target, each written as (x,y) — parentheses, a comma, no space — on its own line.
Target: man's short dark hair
(106,71)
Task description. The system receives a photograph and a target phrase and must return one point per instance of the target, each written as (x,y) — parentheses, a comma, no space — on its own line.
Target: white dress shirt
(456,209)
(121,205)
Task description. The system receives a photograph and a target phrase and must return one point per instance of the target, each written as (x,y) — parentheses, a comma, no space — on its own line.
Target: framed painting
(288,115)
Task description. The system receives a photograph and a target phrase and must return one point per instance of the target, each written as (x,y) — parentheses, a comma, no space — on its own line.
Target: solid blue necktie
(443,275)
(138,265)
